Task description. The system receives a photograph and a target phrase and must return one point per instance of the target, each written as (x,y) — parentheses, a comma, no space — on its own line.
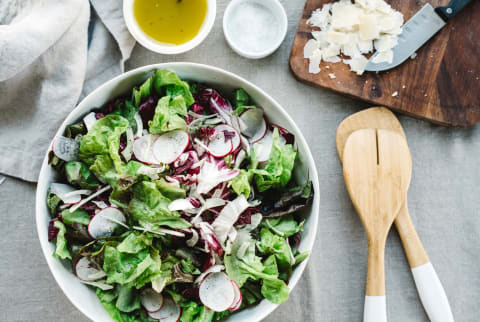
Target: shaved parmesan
(352,29)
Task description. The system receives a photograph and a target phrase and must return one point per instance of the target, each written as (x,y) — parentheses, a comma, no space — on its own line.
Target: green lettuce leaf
(275,290)
(79,216)
(140,94)
(125,268)
(241,183)
(53,201)
(128,111)
(127,300)
(107,298)
(169,190)
(61,249)
(173,85)
(150,206)
(189,268)
(79,175)
(134,243)
(284,226)
(103,139)
(300,257)
(271,244)
(241,97)
(166,118)
(278,170)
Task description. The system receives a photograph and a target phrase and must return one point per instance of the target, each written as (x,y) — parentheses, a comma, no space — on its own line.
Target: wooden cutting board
(441,85)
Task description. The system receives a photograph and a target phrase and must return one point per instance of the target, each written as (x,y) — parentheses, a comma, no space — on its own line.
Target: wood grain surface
(383,118)
(442,84)
(377,168)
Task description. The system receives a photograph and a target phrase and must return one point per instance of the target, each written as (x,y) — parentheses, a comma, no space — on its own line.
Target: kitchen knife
(417,31)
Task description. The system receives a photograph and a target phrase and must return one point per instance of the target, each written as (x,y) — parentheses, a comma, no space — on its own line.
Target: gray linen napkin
(47,63)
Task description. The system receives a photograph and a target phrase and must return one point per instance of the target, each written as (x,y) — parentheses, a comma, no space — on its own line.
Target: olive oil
(170,21)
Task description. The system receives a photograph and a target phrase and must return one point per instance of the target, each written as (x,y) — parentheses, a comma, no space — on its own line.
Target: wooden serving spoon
(430,289)
(377,168)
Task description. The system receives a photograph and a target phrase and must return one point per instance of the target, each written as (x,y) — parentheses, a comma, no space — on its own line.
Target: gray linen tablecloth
(443,201)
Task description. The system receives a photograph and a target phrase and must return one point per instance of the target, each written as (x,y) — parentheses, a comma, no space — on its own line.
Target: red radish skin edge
(264,132)
(88,227)
(186,146)
(221,156)
(231,129)
(144,306)
(236,305)
(231,305)
(180,310)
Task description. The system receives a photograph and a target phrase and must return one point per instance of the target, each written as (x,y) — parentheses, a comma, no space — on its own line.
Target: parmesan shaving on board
(353,29)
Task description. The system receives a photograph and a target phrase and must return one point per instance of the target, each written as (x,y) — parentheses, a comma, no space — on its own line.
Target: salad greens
(158,240)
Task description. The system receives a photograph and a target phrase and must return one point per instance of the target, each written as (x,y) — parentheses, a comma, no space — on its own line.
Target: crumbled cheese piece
(413,56)
(332,76)
(395,94)
(353,29)
(404,86)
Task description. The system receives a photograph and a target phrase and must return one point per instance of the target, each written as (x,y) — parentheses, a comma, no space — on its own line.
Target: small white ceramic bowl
(82,296)
(163,48)
(274,7)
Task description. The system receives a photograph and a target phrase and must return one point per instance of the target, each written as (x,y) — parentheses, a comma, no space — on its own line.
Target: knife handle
(449,11)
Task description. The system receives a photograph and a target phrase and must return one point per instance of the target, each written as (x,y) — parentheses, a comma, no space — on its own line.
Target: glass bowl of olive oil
(169,26)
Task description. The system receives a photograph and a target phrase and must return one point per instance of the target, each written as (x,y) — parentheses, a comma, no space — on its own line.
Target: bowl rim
(157,47)
(256,55)
(267,308)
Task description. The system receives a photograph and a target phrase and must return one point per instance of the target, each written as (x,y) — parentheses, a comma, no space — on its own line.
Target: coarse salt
(253,27)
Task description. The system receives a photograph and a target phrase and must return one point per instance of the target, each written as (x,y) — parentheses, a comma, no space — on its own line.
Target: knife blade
(417,31)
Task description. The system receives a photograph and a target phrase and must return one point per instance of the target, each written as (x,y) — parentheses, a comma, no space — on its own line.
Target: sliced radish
(218,146)
(151,300)
(104,223)
(86,270)
(253,124)
(89,120)
(236,137)
(217,292)
(169,146)
(142,148)
(170,311)
(238,297)
(65,193)
(65,148)
(263,147)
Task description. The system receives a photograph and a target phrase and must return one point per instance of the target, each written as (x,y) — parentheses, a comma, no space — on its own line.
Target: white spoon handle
(432,294)
(375,309)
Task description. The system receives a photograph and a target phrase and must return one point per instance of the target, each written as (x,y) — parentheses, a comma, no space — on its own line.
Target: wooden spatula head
(371,118)
(377,167)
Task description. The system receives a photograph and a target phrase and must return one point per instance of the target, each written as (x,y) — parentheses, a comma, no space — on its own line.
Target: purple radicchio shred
(99,115)
(112,105)
(245,217)
(123,144)
(90,208)
(52,230)
(191,293)
(147,110)
(211,98)
(197,108)
(205,132)
(289,137)
(229,135)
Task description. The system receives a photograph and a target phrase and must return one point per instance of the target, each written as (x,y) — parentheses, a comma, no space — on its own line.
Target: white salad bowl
(84,297)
